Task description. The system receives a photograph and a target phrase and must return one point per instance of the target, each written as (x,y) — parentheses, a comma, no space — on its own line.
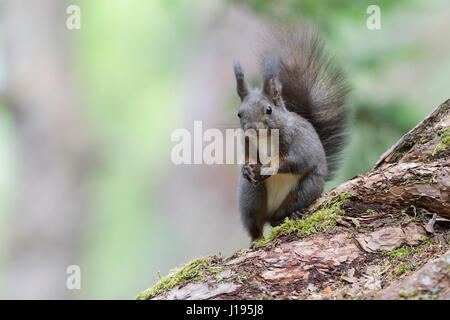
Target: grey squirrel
(303,95)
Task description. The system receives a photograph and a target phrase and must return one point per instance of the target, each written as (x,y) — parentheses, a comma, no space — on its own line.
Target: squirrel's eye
(239,114)
(268,110)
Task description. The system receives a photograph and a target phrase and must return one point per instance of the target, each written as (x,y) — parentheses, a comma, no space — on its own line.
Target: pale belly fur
(278,187)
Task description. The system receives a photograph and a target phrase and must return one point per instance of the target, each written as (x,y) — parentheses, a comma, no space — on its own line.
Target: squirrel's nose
(250,126)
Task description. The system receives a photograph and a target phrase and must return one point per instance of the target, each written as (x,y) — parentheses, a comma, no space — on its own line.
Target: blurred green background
(144,68)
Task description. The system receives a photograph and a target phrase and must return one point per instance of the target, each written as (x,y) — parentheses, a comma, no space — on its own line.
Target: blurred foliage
(128,59)
(129,56)
(7,169)
(378,119)
(323,12)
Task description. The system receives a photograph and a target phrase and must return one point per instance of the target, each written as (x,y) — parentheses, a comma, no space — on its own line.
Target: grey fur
(306,93)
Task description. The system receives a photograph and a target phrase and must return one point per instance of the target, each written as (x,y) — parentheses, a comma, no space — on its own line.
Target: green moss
(193,270)
(401,261)
(415,218)
(243,274)
(426,240)
(417,295)
(322,220)
(403,268)
(445,134)
(429,179)
(400,252)
(410,181)
(431,296)
(406,251)
(408,295)
(445,142)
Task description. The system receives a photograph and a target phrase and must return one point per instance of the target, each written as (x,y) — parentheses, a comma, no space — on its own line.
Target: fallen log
(380,235)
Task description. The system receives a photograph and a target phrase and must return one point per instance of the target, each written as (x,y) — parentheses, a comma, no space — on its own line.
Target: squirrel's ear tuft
(272,89)
(271,84)
(241,84)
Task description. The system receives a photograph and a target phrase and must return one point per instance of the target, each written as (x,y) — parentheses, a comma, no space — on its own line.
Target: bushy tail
(312,85)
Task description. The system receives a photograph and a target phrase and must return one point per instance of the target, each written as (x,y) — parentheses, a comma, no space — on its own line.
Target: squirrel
(303,95)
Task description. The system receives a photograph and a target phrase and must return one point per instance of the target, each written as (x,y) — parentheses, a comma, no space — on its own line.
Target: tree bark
(380,235)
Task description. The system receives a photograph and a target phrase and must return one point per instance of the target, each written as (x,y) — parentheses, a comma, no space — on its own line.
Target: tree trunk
(381,235)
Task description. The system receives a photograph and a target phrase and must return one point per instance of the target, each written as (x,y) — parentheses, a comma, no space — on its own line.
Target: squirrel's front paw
(265,172)
(249,171)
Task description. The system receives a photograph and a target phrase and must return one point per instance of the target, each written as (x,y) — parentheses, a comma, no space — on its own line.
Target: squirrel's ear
(241,84)
(271,83)
(272,89)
